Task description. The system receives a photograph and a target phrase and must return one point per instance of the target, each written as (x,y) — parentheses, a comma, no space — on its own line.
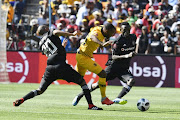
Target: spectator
(176,11)
(44,10)
(166,5)
(55,6)
(90,14)
(177,46)
(143,41)
(72,20)
(118,27)
(27,46)
(98,5)
(60,26)
(10,11)
(131,17)
(136,29)
(125,5)
(34,26)
(97,17)
(108,12)
(18,11)
(161,10)
(157,22)
(83,12)
(110,20)
(84,27)
(42,19)
(168,42)
(74,43)
(118,11)
(135,5)
(156,46)
(146,22)
(161,28)
(175,28)
(63,21)
(72,11)
(152,3)
(63,13)
(77,6)
(151,14)
(111,7)
(96,23)
(21,43)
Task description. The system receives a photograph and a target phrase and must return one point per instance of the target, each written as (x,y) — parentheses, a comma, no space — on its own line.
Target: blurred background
(156,23)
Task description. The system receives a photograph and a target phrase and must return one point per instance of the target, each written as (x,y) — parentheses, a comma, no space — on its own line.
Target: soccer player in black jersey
(123,49)
(57,68)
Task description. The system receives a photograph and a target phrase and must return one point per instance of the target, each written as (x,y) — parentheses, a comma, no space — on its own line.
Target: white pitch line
(96,115)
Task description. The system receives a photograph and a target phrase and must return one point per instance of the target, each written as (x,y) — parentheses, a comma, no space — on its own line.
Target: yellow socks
(102,86)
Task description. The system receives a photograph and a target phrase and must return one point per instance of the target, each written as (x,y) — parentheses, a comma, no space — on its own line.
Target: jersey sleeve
(50,32)
(115,47)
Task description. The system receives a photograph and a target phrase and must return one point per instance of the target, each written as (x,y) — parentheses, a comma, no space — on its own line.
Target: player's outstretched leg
(88,98)
(102,86)
(76,100)
(124,91)
(26,97)
(18,102)
(43,86)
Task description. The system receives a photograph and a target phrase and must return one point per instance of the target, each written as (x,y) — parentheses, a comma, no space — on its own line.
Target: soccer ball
(143,104)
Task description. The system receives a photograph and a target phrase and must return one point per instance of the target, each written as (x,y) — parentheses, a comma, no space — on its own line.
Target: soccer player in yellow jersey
(96,38)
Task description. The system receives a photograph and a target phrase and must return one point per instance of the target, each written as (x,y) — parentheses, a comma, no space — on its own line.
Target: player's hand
(77,33)
(64,43)
(131,54)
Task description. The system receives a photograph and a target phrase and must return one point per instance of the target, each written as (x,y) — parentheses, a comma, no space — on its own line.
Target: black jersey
(51,46)
(121,46)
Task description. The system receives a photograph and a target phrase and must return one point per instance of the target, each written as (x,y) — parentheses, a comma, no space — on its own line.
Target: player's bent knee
(131,82)
(39,91)
(102,74)
(81,82)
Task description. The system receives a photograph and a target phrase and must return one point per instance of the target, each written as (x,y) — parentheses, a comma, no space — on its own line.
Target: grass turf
(56,104)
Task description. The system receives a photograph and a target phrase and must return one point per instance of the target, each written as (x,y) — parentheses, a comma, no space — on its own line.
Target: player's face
(125,29)
(111,33)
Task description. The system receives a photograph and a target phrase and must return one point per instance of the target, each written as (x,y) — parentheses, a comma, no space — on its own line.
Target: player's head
(109,30)
(125,28)
(42,29)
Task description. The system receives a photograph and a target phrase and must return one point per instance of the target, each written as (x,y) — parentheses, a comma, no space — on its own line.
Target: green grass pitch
(56,104)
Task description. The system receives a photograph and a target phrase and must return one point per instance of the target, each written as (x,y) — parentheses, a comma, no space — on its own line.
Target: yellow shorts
(85,63)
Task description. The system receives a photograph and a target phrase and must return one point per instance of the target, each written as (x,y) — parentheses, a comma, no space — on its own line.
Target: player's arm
(61,33)
(64,43)
(131,54)
(96,40)
(137,45)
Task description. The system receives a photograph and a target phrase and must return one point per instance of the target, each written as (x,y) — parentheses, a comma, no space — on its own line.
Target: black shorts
(114,71)
(62,71)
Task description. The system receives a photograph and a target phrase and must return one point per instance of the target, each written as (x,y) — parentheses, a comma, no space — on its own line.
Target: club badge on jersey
(46,46)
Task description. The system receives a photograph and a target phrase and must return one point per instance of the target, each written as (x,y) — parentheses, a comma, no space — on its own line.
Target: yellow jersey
(88,46)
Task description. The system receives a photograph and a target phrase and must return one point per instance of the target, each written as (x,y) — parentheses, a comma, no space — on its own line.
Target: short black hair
(41,29)
(125,23)
(109,26)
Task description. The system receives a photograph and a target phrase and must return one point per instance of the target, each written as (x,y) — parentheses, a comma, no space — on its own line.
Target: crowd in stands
(156,23)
